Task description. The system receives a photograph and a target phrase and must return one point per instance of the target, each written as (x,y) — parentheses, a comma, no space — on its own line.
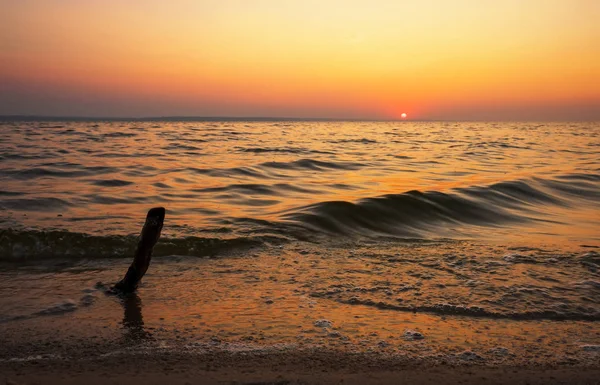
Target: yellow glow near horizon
(352,58)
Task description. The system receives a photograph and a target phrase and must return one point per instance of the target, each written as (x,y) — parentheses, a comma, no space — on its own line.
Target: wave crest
(29,244)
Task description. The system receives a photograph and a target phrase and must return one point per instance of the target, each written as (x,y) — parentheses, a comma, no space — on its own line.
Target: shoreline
(299,314)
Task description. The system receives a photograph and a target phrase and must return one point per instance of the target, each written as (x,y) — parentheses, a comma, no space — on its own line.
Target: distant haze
(354,59)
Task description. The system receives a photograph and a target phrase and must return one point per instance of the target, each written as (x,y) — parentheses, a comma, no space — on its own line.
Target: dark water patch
(41,172)
(311,164)
(457,173)
(508,145)
(182,180)
(20,245)
(227,172)
(590,258)
(283,150)
(187,229)
(61,165)
(426,162)
(143,168)
(179,195)
(474,311)
(248,226)
(119,135)
(361,141)
(343,186)
(111,183)
(94,218)
(235,133)
(161,185)
(192,153)
(40,155)
(129,155)
(295,189)
(41,204)
(188,210)
(68,131)
(496,144)
(113,200)
(4,193)
(178,147)
(254,202)
(257,189)
(146,170)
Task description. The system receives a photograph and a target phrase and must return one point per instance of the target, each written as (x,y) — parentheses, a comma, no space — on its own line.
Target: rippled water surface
(299,180)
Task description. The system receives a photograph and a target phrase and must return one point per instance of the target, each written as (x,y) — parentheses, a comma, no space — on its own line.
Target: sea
(455,241)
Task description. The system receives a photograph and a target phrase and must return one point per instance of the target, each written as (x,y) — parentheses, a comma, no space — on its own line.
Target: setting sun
(403,115)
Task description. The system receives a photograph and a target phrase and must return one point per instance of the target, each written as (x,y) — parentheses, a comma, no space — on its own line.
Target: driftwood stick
(143,253)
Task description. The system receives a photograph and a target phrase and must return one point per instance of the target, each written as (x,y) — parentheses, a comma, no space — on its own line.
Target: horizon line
(192,118)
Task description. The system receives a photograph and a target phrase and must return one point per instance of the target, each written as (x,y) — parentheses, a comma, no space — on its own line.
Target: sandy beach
(267,320)
(281,369)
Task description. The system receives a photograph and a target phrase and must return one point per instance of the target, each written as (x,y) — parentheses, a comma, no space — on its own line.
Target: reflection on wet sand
(133,320)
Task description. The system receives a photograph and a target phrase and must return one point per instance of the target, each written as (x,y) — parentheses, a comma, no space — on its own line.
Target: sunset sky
(369,59)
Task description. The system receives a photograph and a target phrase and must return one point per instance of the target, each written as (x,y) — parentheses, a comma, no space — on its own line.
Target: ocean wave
(410,215)
(423,214)
(17,245)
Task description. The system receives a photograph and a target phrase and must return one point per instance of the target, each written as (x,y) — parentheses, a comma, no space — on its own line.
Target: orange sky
(459,59)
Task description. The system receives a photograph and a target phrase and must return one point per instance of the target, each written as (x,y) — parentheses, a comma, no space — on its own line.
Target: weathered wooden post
(143,253)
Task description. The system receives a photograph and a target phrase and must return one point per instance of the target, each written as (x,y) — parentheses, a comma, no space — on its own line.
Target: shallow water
(490,309)
(478,235)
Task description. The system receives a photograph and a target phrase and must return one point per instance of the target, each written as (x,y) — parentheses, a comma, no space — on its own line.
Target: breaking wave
(18,245)
(433,213)
(413,215)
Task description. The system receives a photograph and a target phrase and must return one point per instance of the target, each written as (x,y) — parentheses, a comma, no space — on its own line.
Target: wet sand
(290,368)
(305,314)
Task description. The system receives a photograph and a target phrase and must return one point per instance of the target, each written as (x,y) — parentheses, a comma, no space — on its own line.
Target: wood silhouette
(143,254)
